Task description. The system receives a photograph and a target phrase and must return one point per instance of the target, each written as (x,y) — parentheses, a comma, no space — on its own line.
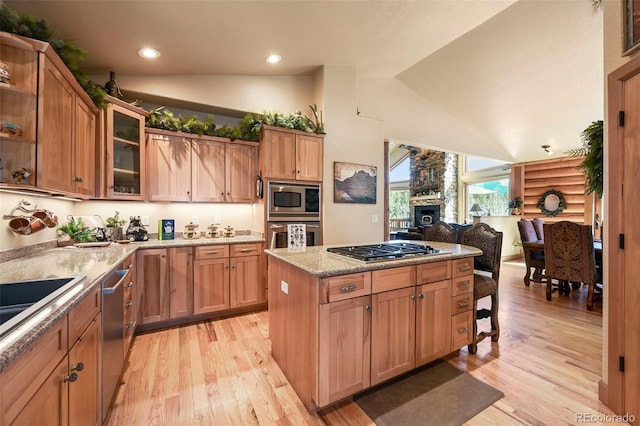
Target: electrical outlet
(374,218)
(145,220)
(217,220)
(195,220)
(284,287)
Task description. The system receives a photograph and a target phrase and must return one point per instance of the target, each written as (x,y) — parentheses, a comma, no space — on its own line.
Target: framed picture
(354,183)
(631,26)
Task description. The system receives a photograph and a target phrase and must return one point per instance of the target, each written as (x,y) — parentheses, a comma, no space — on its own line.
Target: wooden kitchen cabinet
(245,281)
(186,167)
(131,302)
(165,279)
(433,321)
(84,387)
(290,154)
(344,349)
(66,145)
(18,102)
(122,155)
(211,285)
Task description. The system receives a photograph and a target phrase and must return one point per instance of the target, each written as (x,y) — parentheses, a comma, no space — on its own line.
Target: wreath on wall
(552,203)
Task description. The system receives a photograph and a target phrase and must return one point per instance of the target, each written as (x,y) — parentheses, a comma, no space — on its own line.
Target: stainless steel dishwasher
(112,334)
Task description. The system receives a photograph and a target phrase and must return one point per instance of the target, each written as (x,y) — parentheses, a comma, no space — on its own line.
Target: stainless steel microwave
(290,201)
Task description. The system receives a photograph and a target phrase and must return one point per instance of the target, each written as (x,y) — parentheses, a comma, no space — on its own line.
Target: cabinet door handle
(71,377)
(421,296)
(367,308)
(463,304)
(130,284)
(464,268)
(78,367)
(77,179)
(128,304)
(348,288)
(413,297)
(129,324)
(464,330)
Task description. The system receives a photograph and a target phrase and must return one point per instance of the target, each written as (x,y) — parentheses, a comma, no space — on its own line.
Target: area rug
(438,394)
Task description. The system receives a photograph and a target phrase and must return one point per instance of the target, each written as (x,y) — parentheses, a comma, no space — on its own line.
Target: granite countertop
(320,263)
(92,263)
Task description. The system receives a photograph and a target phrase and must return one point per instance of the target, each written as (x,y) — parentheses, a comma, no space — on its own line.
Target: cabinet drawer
(462,267)
(23,378)
(212,252)
(462,285)
(461,303)
(82,314)
(461,330)
(345,287)
(393,278)
(432,272)
(245,249)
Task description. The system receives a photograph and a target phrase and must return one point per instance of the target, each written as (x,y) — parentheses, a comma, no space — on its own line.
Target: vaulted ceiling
(521,73)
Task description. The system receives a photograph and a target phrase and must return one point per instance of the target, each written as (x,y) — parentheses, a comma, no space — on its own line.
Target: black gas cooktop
(386,251)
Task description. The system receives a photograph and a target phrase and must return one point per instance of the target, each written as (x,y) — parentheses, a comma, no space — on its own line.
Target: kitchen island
(339,326)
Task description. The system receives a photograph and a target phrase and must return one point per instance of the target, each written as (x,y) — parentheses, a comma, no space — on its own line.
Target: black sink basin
(17,296)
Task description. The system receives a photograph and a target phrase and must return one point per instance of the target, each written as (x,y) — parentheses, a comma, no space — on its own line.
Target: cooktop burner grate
(385,251)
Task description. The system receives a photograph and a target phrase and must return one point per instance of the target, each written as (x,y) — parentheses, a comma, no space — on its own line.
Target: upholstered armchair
(488,240)
(533,257)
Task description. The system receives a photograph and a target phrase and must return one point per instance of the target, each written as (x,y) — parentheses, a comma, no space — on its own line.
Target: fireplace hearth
(426,215)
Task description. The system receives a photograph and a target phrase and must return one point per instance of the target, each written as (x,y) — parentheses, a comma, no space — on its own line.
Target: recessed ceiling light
(273,59)
(148,53)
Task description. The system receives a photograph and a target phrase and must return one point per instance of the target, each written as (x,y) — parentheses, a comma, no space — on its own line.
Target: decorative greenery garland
(561,203)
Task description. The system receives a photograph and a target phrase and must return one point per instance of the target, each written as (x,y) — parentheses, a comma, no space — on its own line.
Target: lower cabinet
(131,302)
(57,380)
(165,282)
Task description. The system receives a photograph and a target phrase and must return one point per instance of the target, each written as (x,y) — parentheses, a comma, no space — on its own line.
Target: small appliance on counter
(136,230)
(191,232)
(212,231)
(229,232)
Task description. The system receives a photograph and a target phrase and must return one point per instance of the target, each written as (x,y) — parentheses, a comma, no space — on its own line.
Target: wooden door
(208,172)
(169,166)
(84,360)
(308,158)
(392,333)
(180,282)
(344,359)
(211,285)
(278,149)
(56,102)
(50,404)
(240,173)
(433,321)
(245,282)
(84,149)
(153,282)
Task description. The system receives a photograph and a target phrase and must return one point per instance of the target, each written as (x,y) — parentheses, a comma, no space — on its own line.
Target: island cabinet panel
(345,287)
(462,267)
(433,272)
(433,324)
(393,278)
(344,349)
(392,333)
(461,330)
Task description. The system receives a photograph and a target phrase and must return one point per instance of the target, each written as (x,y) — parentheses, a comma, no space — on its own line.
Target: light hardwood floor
(548,363)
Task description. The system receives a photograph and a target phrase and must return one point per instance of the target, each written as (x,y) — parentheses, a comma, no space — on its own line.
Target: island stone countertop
(90,262)
(319,262)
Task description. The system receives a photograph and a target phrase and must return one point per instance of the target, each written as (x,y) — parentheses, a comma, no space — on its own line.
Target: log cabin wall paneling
(531,180)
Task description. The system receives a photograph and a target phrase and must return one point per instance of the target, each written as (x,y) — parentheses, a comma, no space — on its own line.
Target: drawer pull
(128,324)
(348,288)
(464,268)
(247,250)
(463,304)
(464,285)
(130,284)
(71,377)
(129,303)
(464,330)
(78,367)
(212,252)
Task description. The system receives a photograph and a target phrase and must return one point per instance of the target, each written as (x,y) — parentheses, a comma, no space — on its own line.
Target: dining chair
(538,225)
(533,257)
(485,278)
(440,231)
(569,256)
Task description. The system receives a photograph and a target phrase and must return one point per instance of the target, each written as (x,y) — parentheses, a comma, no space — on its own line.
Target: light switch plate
(217,220)
(145,220)
(374,218)
(195,220)
(284,287)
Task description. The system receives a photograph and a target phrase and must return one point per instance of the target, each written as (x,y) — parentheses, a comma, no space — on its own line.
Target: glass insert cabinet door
(125,153)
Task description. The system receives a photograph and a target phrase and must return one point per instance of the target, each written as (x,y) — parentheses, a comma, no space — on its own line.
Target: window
(486,183)
(399,191)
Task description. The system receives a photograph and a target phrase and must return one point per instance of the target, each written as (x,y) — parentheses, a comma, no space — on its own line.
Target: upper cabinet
(123,163)
(47,119)
(183,167)
(290,154)
(18,102)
